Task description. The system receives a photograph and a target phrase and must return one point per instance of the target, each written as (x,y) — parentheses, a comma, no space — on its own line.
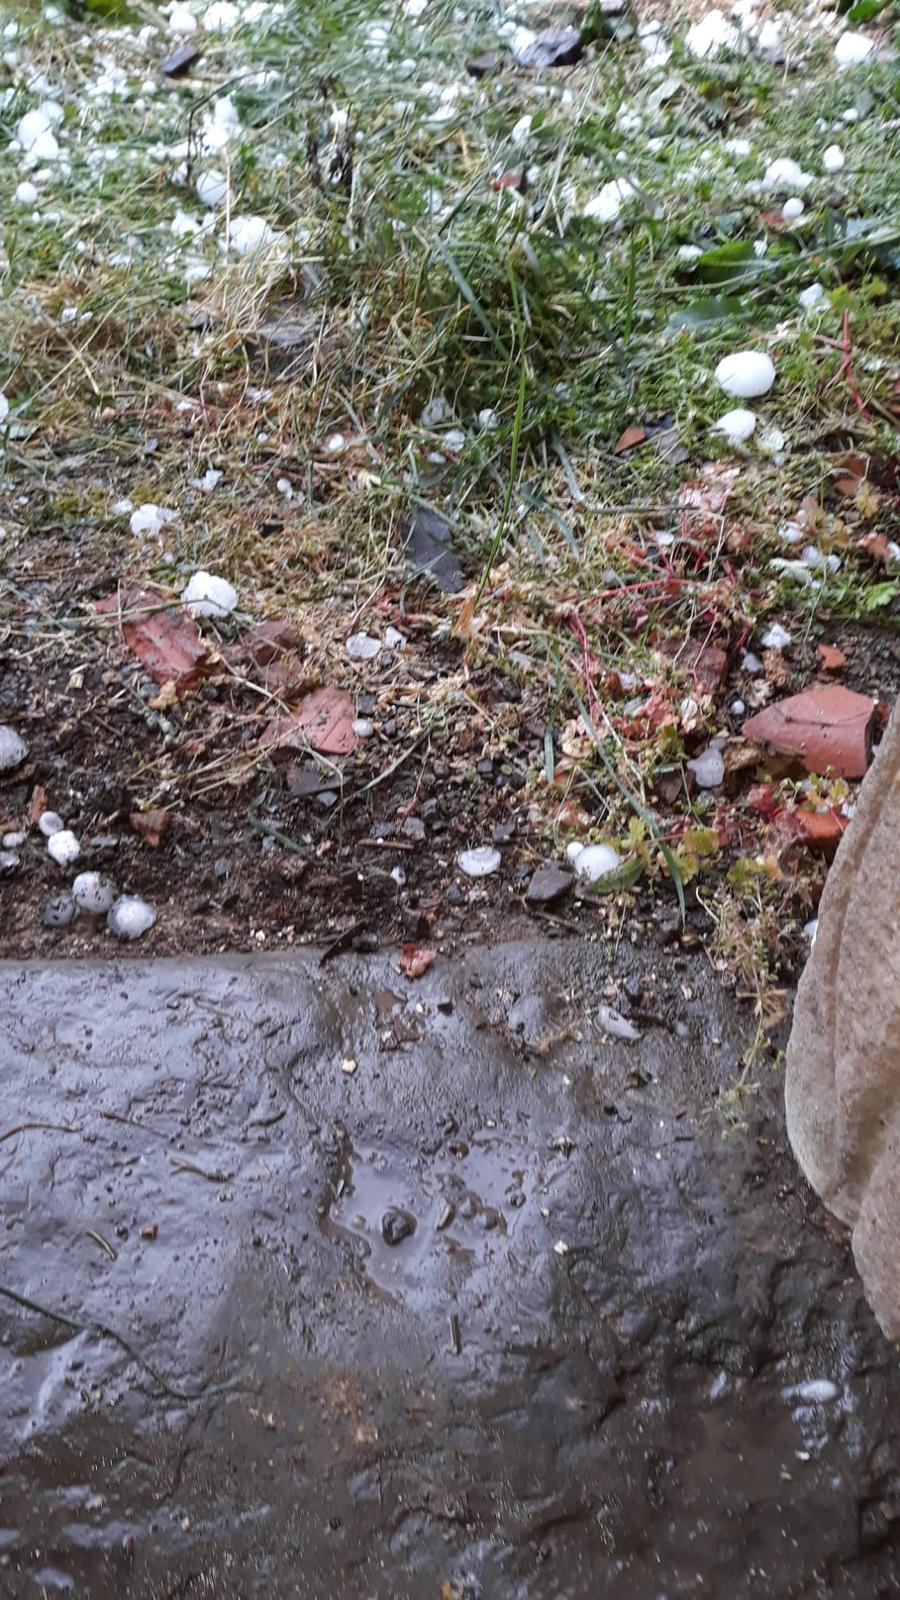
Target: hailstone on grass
(745,374)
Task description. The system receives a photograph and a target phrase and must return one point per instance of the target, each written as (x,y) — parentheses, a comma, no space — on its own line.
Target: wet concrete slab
(373,1288)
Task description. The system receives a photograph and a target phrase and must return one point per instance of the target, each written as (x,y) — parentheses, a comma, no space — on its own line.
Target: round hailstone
(770,441)
(833,158)
(13,748)
(708,768)
(792,209)
(129,917)
(710,35)
(212,188)
(30,127)
(605,206)
(363,728)
(786,173)
(26,193)
(479,863)
(4,407)
(813,298)
(251,235)
(93,892)
(149,518)
(220,16)
(12,841)
(63,847)
(181,20)
(745,374)
(736,425)
(50,822)
(594,861)
(208,596)
(851,49)
(362,647)
(59,910)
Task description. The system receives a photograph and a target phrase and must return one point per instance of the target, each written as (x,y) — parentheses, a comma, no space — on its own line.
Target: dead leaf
(323,720)
(831,659)
(165,639)
(37,805)
(827,726)
(415,960)
(510,180)
(777,671)
(626,441)
(150,826)
(875,546)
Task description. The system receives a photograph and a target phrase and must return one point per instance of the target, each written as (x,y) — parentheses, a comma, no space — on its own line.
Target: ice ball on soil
(851,49)
(50,822)
(13,749)
(59,910)
(129,917)
(593,861)
(708,768)
(63,847)
(736,426)
(212,189)
(208,596)
(93,892)
(150,518)
(479,863)
(746,374)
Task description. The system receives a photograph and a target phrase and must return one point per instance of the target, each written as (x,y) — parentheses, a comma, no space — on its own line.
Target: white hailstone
(149,518)
(363,728)
(250,235)
(30,127)
(769,42)
(362,647)
(454,439)
(12,841)
(751,663)
(25,193)
(436,412)
(488,420)
(120,508)
(393,638)
(613,1023)
(212,477)
(63,847)
(813,298)
(593,861)
(736,426)
(708,767)
(181,20)
(4,407)
(737,147)
(220,16)
(775,638)
(745,374)
(605,206)
(851,49)
(415,8)
(815,1390)
(129,917)
(479,863)
(13,749)
(786,173)
(45,147)
(770,441)
(183,225)
(335,443)
(50,822)
(810,929)
(833,158)
(710,35)
(285,487)
(212,188)
(93,892)
(205,595)
(521,130)
(792,209)
(688,252)
(737,708)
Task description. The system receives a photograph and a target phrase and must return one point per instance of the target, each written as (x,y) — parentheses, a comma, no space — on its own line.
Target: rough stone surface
(548,884)
(842,1086)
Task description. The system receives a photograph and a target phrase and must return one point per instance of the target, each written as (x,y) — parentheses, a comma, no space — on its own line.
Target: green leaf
(736,259)
(622,878)
(699,313)
(865,10)
(880,594)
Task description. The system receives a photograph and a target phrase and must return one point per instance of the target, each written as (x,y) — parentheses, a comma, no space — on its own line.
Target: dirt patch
(609,1351)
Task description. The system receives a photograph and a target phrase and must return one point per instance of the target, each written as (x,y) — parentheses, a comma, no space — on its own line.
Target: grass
(365,144)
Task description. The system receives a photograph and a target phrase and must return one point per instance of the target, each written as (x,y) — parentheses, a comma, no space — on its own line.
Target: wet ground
(609,1351)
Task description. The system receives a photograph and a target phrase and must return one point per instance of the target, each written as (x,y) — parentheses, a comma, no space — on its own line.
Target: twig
(211,1177)
(26,1127)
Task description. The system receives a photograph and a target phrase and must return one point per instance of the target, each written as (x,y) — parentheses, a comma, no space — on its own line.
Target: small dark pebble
(521,872)
(221,867)
(365,944)
(454,895)
(397,1226)
(482,66)
(413,828)
(555,47)
(548,884)
(382,830)
(484,768)
(429,810)
(180,60)
(633,986)
(503,832)
(365,705)
(414,921)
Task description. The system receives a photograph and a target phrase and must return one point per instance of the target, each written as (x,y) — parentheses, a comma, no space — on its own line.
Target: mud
(613,1354)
